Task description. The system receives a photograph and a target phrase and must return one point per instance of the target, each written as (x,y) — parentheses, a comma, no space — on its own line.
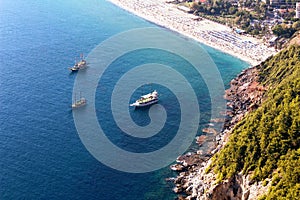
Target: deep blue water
(41,155)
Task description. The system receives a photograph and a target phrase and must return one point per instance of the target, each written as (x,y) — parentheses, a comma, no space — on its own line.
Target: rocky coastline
(193,181)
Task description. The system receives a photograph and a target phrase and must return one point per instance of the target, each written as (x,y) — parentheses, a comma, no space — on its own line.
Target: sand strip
(207,32)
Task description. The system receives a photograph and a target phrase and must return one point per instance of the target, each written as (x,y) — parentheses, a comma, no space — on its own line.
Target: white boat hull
(136,104)
(146,100)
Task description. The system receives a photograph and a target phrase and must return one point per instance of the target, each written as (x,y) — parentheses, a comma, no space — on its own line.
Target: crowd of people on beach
(236,44)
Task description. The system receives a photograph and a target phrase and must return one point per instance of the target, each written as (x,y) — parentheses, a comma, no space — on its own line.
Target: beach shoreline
(207,32)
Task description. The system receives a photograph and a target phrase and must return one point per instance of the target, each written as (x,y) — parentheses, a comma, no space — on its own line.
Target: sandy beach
(204,31)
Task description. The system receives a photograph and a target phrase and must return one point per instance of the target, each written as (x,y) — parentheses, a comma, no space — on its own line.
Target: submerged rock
(200,140)
(177,167)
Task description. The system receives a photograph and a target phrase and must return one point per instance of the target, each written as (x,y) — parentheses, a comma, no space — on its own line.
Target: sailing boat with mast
(78,103)
(81,64)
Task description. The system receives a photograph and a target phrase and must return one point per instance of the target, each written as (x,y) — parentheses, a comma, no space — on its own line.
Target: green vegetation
(286,180)
(285,30)
(267,141)
(215,7)
(252,16)
(227,13)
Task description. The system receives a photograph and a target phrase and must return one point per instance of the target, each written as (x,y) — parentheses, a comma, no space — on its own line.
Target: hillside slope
(266,143)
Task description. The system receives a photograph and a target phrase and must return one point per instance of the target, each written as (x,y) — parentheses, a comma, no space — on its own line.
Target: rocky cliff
(257,155)
(244,95)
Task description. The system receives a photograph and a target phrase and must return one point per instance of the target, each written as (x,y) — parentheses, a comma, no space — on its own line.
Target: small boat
(146,100)
(78,103)
(79,65)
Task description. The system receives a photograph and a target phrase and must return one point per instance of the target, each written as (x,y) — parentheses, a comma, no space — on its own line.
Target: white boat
(78,103)
(81,64)
(146,100)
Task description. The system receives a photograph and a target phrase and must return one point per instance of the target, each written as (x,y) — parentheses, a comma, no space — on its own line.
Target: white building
(275,2)
(298,10)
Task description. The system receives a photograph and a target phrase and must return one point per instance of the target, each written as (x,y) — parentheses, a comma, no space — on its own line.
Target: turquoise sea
(41,155)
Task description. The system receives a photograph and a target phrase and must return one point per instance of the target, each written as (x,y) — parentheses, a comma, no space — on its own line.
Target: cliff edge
(257,156)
